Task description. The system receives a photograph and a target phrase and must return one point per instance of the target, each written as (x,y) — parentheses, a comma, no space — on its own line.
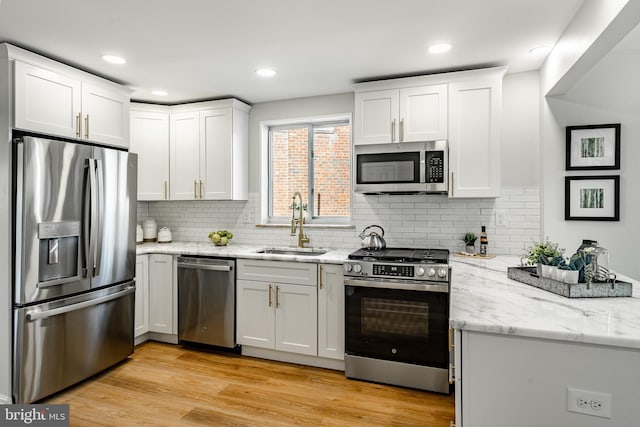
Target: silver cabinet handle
(270,298)
(195,189)
(35,315)
(78,126)
(86,127)
(201,190)
(277,296)
(401,130)
(452,186)
(393,130)
(321,273)
(165,189)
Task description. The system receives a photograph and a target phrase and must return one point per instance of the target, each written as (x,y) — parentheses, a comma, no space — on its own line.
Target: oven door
(401,325)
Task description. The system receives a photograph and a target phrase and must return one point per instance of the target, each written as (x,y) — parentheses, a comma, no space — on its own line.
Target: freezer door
(60,343)
(113,222)
(49,183)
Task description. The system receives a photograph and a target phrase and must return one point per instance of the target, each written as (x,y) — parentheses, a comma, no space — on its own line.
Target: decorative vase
(470,249)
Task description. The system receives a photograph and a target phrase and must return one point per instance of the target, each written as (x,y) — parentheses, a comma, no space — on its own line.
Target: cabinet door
(457,374)
(376,120)
(216,156)
(105,115)
(296,319)
(423,113)
(331,311)
(162,294)
(45,101)
(150,140)
(185,156)
(474,143)
(142,295)
(255,321)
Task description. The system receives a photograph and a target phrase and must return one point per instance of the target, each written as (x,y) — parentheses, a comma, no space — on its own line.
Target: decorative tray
(529,275)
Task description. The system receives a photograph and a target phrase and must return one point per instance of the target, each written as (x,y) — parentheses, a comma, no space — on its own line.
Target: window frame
(267,188)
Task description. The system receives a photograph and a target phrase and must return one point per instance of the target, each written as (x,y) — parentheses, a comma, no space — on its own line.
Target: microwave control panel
(435,167)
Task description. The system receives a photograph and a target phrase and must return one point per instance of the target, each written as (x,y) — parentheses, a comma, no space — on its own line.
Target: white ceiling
(205,49)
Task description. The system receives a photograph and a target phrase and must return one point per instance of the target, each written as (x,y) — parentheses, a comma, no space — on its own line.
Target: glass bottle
(483,240)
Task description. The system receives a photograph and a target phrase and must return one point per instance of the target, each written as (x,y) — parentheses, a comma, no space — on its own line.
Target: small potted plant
(544,255)
(469,239)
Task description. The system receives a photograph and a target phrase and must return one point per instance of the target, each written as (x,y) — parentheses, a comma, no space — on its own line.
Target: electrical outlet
(589,402)
(501,218)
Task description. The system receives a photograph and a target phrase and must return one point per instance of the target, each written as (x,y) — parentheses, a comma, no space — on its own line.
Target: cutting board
(476,256)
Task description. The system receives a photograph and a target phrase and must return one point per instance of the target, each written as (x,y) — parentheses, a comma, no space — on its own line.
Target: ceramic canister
(149,230)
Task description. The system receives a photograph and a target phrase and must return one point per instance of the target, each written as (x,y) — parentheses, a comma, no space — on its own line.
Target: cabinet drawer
(299,273)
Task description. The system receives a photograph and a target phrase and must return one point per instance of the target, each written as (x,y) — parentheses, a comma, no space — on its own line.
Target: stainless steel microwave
(402,168)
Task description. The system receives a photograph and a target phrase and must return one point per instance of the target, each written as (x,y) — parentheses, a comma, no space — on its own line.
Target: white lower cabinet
(162,294)
(330,311)
(141,325)
(509,380)
(273,314)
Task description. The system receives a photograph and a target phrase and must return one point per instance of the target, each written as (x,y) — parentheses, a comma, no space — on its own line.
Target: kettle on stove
(373,241)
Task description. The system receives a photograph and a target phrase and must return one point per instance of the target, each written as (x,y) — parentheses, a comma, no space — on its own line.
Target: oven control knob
(419,271)
(357,268)
(442,273)
(431,272)
(347,268)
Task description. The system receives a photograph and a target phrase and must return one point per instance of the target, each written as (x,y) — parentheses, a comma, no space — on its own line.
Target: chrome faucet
(302,238)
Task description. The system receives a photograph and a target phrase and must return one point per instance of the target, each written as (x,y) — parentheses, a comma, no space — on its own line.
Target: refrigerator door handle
(100,218)
(93,209)
(36,315)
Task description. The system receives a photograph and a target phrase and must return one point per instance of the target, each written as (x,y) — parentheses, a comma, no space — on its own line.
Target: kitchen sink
(292,251)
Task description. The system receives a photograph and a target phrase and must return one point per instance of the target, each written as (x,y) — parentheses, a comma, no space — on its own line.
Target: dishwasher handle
(205,266)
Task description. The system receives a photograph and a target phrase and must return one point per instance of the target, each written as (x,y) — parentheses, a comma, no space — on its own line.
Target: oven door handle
(422,287)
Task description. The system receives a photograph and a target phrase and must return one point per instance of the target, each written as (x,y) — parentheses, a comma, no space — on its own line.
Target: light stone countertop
(333,256)
(483,299)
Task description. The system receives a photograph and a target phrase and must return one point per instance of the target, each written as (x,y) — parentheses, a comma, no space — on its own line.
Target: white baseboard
(300,359)
(156,336)
(6,400)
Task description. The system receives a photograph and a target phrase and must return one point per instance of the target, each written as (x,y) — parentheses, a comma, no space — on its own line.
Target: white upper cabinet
(185,156)
(417,113)
(209,151)
(376,117)
(150,140)
(56,99)
(423,113)
(46,101)
(474,143)
(105,114)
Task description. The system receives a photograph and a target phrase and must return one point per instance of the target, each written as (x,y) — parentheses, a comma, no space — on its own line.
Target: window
(313,159)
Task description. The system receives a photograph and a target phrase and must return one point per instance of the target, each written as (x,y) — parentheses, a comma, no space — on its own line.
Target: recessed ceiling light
(113,59)
(439,48)
(265,72)
(540,50)
(159,92)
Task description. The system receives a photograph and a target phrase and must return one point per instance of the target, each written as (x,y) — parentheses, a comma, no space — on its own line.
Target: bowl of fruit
(220,237)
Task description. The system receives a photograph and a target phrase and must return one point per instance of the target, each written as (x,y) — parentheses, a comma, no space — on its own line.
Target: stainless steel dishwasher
(206,301)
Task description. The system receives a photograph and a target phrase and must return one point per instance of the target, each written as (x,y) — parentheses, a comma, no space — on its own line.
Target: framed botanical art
(592,198)
(593,147)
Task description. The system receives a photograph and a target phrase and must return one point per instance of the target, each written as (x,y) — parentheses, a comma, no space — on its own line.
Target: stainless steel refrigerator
(74,211)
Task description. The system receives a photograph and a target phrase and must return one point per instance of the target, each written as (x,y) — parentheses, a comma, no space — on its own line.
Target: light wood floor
(168,385)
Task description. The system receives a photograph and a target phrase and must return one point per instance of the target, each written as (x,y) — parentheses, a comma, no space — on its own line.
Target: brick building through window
(315,160)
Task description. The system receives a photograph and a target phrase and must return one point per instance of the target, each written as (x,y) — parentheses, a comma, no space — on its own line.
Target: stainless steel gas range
(397,317)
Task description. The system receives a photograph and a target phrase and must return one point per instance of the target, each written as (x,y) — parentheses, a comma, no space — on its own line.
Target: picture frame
(592,198)
(593,147)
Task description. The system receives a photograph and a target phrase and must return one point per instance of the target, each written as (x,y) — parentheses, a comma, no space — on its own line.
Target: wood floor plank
(172,385)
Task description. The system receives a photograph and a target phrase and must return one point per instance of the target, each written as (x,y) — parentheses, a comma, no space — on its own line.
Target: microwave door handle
(99,217)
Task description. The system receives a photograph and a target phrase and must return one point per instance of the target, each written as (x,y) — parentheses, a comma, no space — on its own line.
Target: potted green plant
(469,240)
(546,255)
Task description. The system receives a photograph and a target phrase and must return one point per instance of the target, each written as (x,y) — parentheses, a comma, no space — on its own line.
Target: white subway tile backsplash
(408,220)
